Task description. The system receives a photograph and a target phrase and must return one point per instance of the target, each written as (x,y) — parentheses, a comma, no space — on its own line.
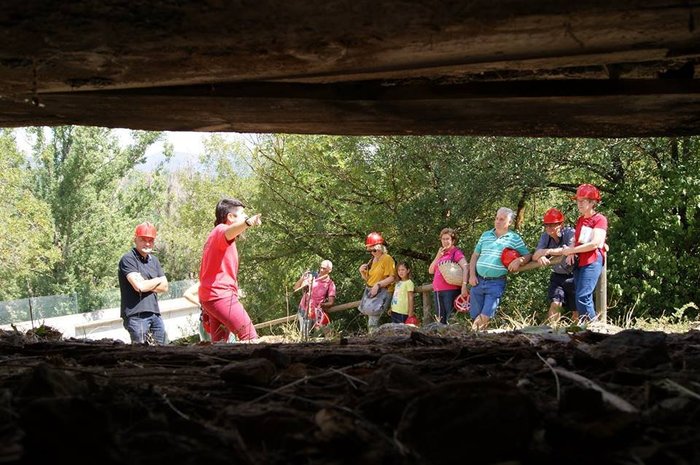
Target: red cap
(323,320)
(412,320)
(462,304)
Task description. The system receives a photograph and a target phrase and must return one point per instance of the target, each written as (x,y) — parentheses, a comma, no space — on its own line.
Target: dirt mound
(413,397)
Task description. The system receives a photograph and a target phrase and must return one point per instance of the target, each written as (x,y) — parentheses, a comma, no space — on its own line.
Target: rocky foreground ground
(397,397)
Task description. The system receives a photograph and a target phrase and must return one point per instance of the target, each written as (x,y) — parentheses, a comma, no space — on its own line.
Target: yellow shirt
(402,294)
(382,268)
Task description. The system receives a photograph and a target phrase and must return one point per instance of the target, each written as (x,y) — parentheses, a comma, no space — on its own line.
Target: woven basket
(451,272)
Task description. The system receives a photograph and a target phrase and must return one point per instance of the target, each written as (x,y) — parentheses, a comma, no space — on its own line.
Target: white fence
(180,316)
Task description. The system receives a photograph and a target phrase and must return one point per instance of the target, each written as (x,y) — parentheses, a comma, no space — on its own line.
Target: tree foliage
(85,176)
(26,229)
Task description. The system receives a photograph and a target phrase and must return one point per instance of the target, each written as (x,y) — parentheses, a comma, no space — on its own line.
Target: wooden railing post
(601,295)
(427,307)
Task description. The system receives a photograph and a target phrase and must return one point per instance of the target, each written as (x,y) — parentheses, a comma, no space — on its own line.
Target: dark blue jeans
(585,280)
(140,324)
(444,303)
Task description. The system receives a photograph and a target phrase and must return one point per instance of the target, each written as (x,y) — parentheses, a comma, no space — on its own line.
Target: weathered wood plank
(555,108)
(483,67)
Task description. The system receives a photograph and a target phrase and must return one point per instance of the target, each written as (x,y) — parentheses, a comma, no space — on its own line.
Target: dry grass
(677,322)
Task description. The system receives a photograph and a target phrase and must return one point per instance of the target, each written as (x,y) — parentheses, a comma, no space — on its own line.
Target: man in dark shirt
(141,278)
(561,291)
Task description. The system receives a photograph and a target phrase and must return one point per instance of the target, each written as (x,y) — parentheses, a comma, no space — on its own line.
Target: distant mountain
(179,159)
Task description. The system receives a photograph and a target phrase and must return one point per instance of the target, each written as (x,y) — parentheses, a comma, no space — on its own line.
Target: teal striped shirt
(489,247)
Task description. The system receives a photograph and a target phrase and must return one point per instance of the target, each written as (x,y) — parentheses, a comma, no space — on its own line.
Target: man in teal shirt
(487,274)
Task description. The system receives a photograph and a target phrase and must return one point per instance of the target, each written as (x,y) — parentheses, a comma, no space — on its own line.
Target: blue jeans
(444,303)
(305,324)
(585,280)
(486,296)
(140,324)
(398,317)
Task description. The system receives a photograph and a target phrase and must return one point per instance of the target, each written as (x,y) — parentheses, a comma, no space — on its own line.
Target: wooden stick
(612,399)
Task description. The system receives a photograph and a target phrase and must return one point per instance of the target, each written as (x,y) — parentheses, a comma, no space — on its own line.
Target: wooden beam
(556,108)
(356,67)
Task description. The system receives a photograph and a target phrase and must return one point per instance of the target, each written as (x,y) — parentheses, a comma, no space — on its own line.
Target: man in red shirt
(218,273)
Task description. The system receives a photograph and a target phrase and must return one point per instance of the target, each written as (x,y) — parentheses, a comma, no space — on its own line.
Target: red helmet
(553,216)
(508,255)
(462,304)
(322,319)
(373,238)
(412,320)
(145,230)
(587,191)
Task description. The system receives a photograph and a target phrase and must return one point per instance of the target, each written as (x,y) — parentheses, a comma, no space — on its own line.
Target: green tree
(26,229)
(78,173)
(323,194)
(652,190)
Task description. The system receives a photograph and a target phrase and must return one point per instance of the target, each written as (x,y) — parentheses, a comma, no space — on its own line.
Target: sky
(187,146)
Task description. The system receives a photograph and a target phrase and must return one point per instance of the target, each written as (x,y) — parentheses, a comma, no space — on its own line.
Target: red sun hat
(587,191)
(508,255)
(553,216)
(145,230)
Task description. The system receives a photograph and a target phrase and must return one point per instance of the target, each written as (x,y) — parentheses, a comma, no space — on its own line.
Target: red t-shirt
(584,233)
(218,273)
